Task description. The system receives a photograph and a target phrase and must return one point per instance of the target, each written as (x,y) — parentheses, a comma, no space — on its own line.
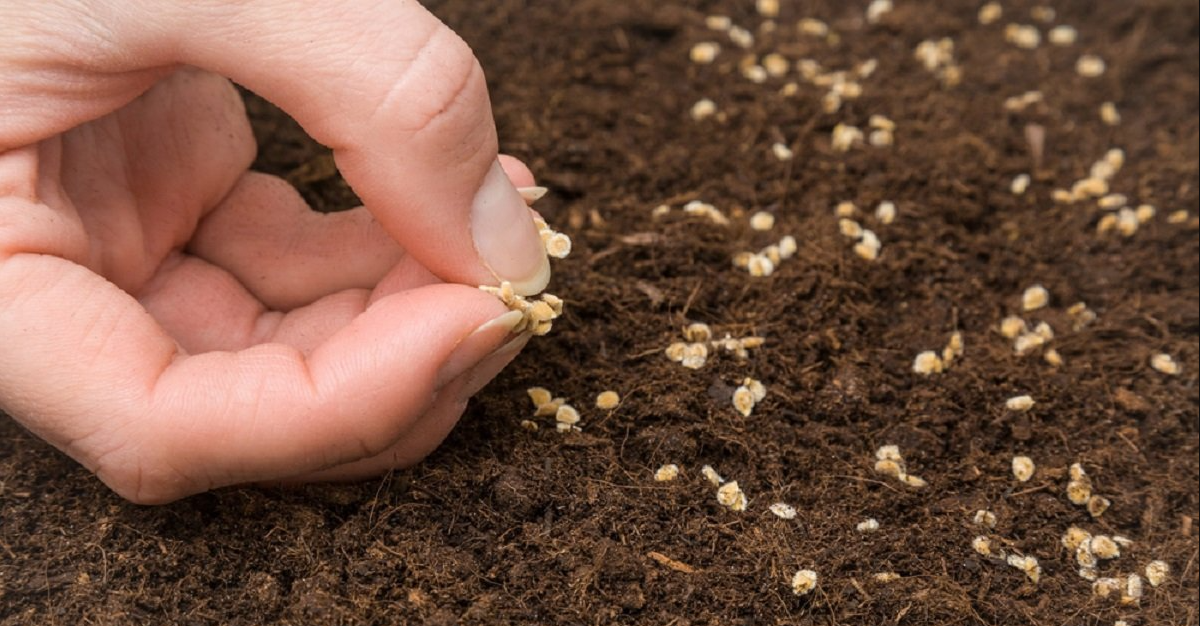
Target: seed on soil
(985,518)
(877,9)
(1027,564)
(730,496)
(927,363)
(741,37)
(1127,222)
(776,65)
(1012,327)
(705,52)
(1089,66)
(534,319)
(743,401)
(1163,362)
(881,138)
(954,349)
(1035,298)
(539,396)
(695,355)
(868,248)
(781,152)
(850,228)
(1104,547)
(1109,114)
(607,400)
(1080,315)
(1019,404)
(1062,35)
(1043,13)
(1090,187)
(1112,201)
(782,510)
(1132,594)
(703,109)
(760,266)
(844,136)
(990,12)
(756,74)
(886,577)
(1053,357)
(868,525)
(530,425)
(1022,468)
(711,475)
(1084,556)
(1157,572)
(704,209)
(666,473)
(1178,217)
(1145,213)
(718,22)
(803,582)
(1079,491)
(767,8)
(567,414)
(787,247)
(812,27)
(983,546)
(1075,537)
(1062,196)
(1105,587)
(886,212)
(697,332)
(1023,36)
(1097,505)
(1019,184)
(1023,101)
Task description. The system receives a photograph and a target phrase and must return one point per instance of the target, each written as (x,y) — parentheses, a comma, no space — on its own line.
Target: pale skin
(177,323)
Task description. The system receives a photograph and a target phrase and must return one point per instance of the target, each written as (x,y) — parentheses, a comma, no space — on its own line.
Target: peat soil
(507,526)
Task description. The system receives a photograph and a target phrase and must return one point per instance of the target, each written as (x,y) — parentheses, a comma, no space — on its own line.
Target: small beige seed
(1127,222)
(760,266)
(1163,362)
(990,12)
(539,396)
(1097,505)
(1079,491)
(783,510)
(787,247)
(888,467)
(757,389)
(1105,587)
(1112,201)
(762,221)
(767,8)
(1132,594)
(558,246)
(1089,66)
(1157,572)
(1178,217)
(889,452)
(667,473)
(1109,114)
(530,425)
(1090,187)
(1023,36)
(1027,564)
(1084,556)
(927,363)
(781,152)
(1043,13)
(1011,327)
(607,400)
(886,577)
(567,414)
(982,546)
(886,212)
(705,52)
(985,518)
(730,496)
(1077,472)
(711,475)
(914,481)
(1062,196)
(1022,468)
(1053,358)
(804,581)
(1019,184)
(1062,35)
(881,138)
(877,9)
(776,65)
(697,331)
(1035,298)
(695,355)
(718,22)
(1145,213)
(756,74)
(845,209)
(844,136)
(1075,537)
(813,27)
(741,37)
(1028,342)
(703,109)
(850,228)
(1104,547)
(1019,404)
(743,400)
(868,525)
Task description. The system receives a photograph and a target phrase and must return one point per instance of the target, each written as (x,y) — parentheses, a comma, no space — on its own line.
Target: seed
(1023,36)
(718,22)
(850,228)
(1105,587)
(760,266)
(886,212)
(877,9)
(1042,13)
(953,349)
(697,332)
(607,400)
(831,102)
(741,37)
(1084,556)
(868,248)
(985,518)
(1028,342)
(529,425)
(705,52)
(1075,537)
(743,400)
(1163,362)
(558,246)
(1079,491)
(539,396)
(1080,315)
(928,362)
(813,27)
(787,247)
(1145,213)
(1133,590)
(888,467)
(549,408)
(1076,472)
(1104,547)
(1097,505)
(983,546)
(1012,326)
(1062,35)
(667,473)
(757,390)
(844,137)
(783,510)
(1019,404)
(1022,468)
(890,452)
(567,414)
(1178,217)
(1053,358)
(1127,222)
(676,351)
(915,481)
(1020,184)
(868,525)
(804,581)
(1157,572)
(1106,224)
(1089,66)
(694,356)
(660,210)
(731,497)
(703,109)
(1109,114)
(1062,196)
(782,153)
(776,65)
(767,8)
(1112,201)
(1027,564)
(756,74)
(1089,188)
(990,12)
(1034,298)
(886,577)
(711,475)
(881,138)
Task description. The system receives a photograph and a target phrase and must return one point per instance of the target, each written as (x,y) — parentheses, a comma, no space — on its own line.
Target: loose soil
(506,526)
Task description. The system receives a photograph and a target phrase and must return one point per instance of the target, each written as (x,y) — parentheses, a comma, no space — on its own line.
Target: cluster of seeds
(889,462)
(764,262)
(1079,492)
(929,362)
(694,352)
(937,56)
(1028,340)
(1019,103)
(866,243)
(748,395)
(566,417)
(539,314)
(697,208)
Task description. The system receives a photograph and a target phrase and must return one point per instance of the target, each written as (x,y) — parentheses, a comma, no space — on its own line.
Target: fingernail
(476,346)
(490,366)
(505,237)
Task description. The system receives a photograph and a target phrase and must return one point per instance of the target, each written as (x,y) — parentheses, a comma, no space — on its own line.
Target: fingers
(88,369)
(285,253)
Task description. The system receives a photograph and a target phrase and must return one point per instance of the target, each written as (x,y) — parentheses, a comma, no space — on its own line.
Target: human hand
(176,323)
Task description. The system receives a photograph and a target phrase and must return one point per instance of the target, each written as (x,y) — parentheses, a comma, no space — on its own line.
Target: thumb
(398,96)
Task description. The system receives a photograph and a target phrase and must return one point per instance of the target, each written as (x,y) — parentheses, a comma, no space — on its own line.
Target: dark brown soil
(505,526)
